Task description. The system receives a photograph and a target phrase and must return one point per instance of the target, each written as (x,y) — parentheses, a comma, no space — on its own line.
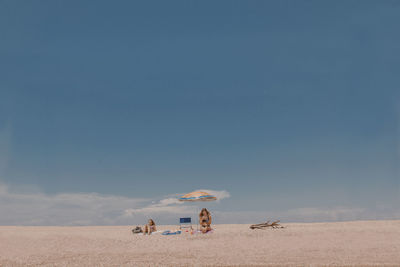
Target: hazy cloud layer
(172,205)
(36,208)
(87,208)
(62,209)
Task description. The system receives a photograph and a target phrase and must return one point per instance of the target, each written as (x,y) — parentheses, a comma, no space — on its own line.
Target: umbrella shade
(197,196)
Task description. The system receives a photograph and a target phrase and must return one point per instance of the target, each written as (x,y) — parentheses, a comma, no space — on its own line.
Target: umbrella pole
(197,219)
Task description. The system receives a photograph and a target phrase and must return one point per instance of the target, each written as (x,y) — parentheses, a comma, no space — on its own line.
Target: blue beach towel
(168,232)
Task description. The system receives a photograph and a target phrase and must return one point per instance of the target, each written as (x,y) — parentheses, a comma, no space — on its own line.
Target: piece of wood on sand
(273,225)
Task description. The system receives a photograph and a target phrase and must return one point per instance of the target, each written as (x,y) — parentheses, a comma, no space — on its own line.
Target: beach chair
(185,223)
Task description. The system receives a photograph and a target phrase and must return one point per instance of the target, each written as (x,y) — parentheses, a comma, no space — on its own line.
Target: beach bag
(137,230)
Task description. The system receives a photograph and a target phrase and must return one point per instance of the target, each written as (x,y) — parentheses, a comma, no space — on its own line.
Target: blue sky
(282,105)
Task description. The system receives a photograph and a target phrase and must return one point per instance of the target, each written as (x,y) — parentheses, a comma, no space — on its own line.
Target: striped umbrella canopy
(197,196)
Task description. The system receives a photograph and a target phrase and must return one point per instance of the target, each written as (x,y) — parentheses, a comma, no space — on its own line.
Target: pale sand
(364,243)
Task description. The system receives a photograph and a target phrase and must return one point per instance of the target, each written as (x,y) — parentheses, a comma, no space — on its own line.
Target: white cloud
(168,205)
(172,205)
(36,208)
(63,209)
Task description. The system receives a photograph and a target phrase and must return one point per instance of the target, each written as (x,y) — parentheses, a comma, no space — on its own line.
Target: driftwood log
(266,225)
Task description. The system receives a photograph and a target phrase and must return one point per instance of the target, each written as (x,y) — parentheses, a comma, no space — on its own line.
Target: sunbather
(205,221)
(149,227)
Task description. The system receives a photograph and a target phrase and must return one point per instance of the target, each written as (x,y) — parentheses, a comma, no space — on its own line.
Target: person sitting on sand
(205,220)
(149,227)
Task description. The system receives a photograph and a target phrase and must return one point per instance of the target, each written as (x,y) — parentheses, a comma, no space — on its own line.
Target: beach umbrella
(197,196)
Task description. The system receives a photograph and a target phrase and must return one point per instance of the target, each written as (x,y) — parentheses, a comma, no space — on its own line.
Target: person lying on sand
(149,227)
(205,221)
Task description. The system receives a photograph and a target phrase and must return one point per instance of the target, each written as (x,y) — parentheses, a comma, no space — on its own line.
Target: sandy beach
(360,243)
